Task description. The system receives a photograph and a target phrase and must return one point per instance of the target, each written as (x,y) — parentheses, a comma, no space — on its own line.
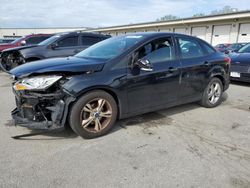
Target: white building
(18,32)
(224,28)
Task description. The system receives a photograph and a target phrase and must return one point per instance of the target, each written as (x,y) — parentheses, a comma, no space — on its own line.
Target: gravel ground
(185,146)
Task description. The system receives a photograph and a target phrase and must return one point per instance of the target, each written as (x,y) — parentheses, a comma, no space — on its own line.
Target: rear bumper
(244,78)
(244,73)
(41,112)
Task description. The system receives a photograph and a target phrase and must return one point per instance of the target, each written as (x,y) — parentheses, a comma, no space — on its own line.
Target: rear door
(195,67)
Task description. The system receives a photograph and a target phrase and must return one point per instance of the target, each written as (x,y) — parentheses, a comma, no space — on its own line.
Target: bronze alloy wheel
(96,115)
(93,114)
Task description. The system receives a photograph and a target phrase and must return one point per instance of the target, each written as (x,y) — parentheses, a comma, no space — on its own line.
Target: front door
(148,90)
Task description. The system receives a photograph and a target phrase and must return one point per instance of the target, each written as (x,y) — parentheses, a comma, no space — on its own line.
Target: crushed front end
(41,102)
(11,59)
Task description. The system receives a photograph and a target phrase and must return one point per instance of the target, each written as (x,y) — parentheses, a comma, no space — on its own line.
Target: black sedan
(240,65)
(118,78)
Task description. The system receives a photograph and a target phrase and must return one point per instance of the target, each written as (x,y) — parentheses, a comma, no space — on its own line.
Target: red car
(26,40)
(222,47)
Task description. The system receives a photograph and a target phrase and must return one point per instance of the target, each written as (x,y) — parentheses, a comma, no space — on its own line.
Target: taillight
(227,60)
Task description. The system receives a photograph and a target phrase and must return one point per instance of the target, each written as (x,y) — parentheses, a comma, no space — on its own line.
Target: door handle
(172,69)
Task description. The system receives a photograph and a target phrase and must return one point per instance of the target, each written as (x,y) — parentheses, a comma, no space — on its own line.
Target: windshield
(110,48)
(17,40)
(49,40)
(245,49)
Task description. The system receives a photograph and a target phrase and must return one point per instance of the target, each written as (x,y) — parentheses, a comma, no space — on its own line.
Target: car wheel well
(109,91)
(221,79)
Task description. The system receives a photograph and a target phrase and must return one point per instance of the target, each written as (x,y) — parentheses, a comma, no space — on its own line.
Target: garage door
(199,32)
(221,34)
(180,30)
(244,34)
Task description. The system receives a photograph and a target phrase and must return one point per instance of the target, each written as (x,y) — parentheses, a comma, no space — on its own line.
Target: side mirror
(144,65)
(54,46)
(23,43)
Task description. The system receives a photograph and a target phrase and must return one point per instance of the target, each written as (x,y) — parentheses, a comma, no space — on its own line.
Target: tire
(93,115)
(206,100)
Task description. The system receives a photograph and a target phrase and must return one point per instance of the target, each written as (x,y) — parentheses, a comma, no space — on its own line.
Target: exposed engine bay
(42,110)
(11,59)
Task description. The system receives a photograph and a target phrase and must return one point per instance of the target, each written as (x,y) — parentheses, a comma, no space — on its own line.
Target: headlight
(36,83)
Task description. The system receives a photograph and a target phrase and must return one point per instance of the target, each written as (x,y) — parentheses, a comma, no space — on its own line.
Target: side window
(35,40)
(87,41)
(189,48)
(208,48)
(69,41)
(157,51)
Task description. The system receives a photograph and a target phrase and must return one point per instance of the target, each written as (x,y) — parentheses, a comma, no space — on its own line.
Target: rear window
(36,40)
(87,41)
(190,48)
(209,49)
(69,41)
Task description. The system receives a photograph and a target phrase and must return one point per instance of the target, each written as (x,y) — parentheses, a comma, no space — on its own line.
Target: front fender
(78,85)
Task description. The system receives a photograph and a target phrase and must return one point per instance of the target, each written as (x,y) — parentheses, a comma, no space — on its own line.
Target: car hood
(19,48)
(58,65)
(240,58)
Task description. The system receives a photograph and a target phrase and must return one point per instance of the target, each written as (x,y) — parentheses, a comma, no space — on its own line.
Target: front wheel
(93,115)
(212,95)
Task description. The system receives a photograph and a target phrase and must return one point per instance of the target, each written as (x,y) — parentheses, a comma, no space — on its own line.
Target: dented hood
(58,65)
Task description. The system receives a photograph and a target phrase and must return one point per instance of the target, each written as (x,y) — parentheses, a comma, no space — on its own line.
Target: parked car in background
(234,47)
(222,47)
(25,41)
(118,78)
(60,45)
(6,40)
(240,65)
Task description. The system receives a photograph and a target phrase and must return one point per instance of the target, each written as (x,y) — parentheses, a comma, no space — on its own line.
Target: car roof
(82,33)
(155,34)
(39,34)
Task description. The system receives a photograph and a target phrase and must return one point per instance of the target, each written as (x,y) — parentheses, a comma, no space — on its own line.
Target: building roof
(235,15)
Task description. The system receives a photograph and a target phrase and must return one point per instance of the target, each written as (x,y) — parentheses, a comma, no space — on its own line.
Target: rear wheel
(212,95)
(93,115)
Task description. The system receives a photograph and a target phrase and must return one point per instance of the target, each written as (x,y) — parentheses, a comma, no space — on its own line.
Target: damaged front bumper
(41,111)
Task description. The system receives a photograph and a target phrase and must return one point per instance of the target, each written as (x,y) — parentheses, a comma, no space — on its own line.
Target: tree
(224,10)
(199,15)
(168,17)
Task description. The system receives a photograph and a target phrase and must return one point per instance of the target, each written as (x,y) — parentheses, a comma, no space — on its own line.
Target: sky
(101,13)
